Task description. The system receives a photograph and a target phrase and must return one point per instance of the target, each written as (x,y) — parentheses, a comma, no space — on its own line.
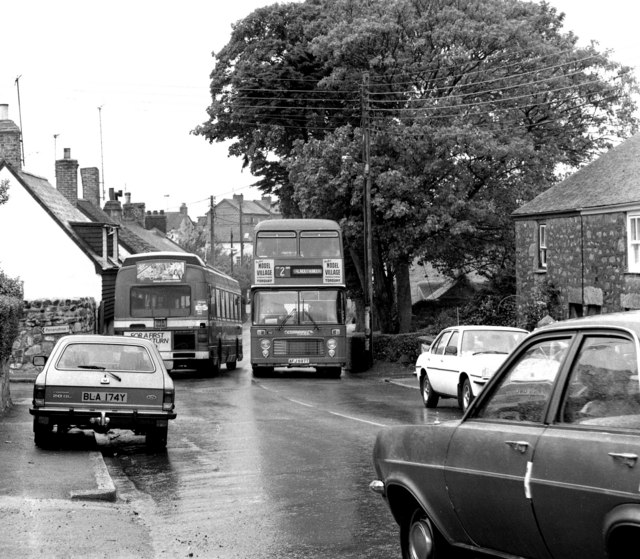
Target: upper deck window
(320,244)
(274,244)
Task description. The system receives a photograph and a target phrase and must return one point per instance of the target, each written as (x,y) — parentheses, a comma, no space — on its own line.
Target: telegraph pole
(241,237)
(231,250)
(211,233)
(368,230)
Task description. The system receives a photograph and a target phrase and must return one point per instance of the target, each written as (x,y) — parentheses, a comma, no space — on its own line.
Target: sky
(122,83)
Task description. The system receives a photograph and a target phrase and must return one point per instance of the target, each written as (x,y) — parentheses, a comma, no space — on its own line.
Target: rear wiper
(99,368)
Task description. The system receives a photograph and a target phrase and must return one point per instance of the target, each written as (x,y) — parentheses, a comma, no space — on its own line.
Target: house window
(633,242)
(542,246)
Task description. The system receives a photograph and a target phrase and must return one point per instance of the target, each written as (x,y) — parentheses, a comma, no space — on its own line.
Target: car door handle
(520,446)
(625,457)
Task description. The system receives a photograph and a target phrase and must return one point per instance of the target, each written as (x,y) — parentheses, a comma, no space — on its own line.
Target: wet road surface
(269,467)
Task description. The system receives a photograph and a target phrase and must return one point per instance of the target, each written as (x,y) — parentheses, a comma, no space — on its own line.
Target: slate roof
(132,242)
(175,219)
(609,181)
(157,240)
(252,207)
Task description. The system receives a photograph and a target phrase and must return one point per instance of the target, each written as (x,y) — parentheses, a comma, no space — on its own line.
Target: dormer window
(633,242)
(542,246)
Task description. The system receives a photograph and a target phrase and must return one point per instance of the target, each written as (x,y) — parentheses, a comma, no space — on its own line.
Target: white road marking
(314,406)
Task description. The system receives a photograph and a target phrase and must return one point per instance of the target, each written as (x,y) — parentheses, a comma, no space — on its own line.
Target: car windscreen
(490,341)
(109,357)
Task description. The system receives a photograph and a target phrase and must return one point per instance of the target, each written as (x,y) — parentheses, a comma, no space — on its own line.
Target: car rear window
(111,357)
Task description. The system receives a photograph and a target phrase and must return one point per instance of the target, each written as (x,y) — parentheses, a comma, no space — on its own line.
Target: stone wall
(44,321)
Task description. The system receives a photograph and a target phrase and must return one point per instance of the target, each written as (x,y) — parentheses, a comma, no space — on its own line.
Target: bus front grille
(298,347)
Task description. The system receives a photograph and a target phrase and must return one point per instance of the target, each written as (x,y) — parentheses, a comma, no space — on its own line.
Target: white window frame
(542,246)
(633,242)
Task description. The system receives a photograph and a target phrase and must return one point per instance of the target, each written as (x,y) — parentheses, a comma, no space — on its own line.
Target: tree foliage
(472,107)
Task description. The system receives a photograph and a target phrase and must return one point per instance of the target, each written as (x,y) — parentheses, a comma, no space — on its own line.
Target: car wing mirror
(39,360)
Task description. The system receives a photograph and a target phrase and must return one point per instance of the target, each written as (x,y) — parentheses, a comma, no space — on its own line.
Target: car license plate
(161,339)
(298,360)
(120,397)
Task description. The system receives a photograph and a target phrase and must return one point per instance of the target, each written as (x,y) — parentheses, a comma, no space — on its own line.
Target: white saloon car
(102,383)
(461,360)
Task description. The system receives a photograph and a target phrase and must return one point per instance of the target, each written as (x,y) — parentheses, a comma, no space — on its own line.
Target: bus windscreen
(298,307)
(165,300)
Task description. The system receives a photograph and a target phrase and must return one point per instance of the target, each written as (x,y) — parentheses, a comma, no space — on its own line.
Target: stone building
(582,237)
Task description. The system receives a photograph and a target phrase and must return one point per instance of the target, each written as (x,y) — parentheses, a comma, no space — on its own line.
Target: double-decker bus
(190,310)
(298,296)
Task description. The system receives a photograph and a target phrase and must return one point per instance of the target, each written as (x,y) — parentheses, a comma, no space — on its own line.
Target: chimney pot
(4,111)
(67,153)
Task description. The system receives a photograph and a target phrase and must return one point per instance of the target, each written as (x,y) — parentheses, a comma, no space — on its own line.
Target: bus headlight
(265,345)
(331,346)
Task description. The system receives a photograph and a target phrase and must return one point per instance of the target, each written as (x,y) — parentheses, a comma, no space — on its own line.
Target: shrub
(403,348)
(10,312)
(11,302)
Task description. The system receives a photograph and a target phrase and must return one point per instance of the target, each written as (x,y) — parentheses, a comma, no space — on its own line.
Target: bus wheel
(262,371)
(231,365)
(329,372)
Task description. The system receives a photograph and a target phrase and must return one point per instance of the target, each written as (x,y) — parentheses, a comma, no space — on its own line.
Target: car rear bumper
(125,419)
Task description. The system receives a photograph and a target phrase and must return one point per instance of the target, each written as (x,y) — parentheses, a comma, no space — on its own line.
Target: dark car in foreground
(102,383)
(544,463)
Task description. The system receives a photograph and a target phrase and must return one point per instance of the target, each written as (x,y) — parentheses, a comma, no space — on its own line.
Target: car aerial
(102,383)
(461,360)
(543,464)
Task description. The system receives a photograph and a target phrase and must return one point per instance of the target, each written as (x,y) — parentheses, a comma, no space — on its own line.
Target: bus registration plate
(298,360)
(161,339)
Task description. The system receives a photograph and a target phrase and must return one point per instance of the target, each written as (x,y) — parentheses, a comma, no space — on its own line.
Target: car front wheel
(465,395)
(429,397)
(420,540)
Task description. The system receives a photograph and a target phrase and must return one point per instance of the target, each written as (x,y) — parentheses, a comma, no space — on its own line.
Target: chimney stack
(157,220)
(67,176)
(112,207)
(91,185)
(10,149)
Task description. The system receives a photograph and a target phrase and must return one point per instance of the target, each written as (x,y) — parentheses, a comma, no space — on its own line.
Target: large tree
(472,105)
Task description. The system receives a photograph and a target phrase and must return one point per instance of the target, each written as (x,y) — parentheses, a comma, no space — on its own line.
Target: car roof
(99,339)
(629,320)
(487,327)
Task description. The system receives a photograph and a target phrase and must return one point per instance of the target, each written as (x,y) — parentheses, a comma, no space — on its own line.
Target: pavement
(76,464)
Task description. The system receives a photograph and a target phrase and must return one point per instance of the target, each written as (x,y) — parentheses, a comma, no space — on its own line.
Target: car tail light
(167,399)
(38,395)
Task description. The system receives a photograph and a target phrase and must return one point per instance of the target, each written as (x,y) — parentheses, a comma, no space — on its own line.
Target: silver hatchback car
(103,383)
